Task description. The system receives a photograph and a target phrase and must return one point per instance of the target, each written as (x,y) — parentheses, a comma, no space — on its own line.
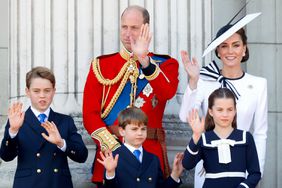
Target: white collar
(131,148)
(36,112)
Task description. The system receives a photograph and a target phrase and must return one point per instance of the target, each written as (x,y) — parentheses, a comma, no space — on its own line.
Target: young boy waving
(131,165)
(41,138)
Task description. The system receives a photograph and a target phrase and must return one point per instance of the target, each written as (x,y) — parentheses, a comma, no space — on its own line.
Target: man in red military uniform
(133,76)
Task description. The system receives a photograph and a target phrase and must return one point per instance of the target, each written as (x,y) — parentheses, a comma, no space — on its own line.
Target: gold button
(56,170)
(138,179)
(38,171)
(7,143)
(37,154)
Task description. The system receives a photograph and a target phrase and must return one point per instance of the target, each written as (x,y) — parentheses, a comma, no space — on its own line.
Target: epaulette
(158,59)
(105,56)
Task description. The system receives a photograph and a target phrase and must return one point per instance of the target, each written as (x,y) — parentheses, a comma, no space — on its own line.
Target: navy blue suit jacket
(130,173)
(42,164)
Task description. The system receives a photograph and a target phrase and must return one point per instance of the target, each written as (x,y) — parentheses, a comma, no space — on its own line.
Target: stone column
(3,70)
(3,61)
(265,60)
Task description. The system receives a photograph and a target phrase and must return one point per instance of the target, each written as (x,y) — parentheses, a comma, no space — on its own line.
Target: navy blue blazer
(42,164)
(131,173)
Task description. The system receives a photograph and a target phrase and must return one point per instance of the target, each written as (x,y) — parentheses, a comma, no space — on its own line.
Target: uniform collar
(125,54)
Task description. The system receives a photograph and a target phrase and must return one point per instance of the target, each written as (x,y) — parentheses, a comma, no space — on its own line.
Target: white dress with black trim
(226,161)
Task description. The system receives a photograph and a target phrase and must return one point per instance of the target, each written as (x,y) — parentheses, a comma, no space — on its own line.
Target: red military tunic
(163,82)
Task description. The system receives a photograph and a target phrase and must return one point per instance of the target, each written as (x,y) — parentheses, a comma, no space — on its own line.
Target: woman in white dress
(250,91)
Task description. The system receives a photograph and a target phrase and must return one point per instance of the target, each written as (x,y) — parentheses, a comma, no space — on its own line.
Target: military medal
(147,90)
(139,102)
(154,101)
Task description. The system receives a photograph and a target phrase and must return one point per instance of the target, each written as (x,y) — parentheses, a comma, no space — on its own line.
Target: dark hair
(145,13)
(219,94)
(40,72)
(243,36)
(132,115)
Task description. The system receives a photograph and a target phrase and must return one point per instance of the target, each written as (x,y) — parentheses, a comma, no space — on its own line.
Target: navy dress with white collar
(222,171)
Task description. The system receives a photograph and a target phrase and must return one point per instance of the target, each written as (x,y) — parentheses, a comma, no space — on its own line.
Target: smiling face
(134,134)
(41,93)
(223,112)
(232,50)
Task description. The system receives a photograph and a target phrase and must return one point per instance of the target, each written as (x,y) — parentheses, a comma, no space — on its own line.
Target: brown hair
(219,94)
(40,72)
(132,115)
(243,36)
(145,13)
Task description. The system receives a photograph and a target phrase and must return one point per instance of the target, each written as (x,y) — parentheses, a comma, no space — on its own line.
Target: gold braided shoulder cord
(124,74)
(116,96)
(101,79)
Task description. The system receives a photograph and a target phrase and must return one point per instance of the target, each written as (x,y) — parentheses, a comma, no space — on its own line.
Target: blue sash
(124,99)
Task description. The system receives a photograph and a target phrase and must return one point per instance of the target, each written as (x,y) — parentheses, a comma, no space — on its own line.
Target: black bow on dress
(212,72)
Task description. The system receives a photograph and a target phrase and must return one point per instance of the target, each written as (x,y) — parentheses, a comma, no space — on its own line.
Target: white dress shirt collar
(36,112)
(131,149)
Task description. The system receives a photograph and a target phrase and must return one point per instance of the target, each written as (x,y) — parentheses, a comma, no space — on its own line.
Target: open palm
(191,67)
(54,136)
(197,125)
(16,116)
(108,161)
(140,47)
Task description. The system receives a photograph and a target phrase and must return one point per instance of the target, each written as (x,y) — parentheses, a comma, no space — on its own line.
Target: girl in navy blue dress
(229,154)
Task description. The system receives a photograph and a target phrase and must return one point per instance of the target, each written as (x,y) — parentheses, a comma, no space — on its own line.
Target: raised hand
(192,68)
(109,162)
(54,135)
(177,167)
(16,117)
(140,47)
(197,125)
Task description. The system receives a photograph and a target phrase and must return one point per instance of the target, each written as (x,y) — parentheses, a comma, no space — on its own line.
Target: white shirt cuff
(64,146)
(110,178)
(177,181)
(12,135)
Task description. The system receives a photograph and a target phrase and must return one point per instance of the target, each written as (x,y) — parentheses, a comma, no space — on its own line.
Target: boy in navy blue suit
(41,138)
(132,166)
